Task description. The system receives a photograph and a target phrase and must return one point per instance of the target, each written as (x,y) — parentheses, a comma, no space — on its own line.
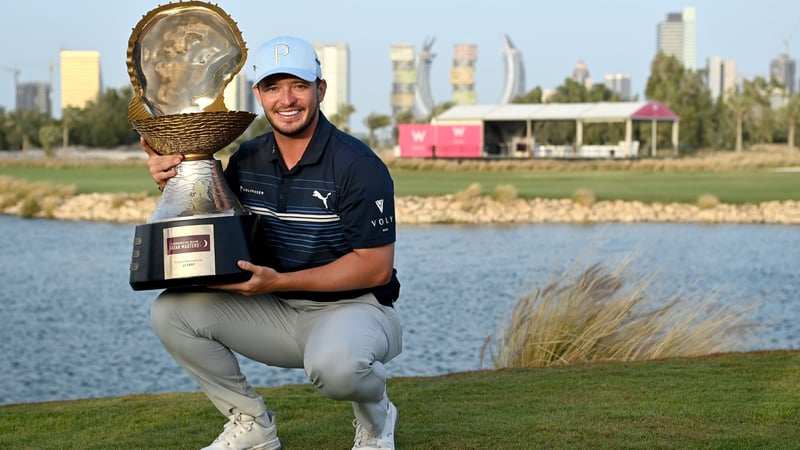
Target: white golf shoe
(384,441)
(244,432)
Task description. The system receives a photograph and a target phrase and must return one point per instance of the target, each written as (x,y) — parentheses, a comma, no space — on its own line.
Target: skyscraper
(423,98)
(462,74)
(404,74)
(335,62)
(411,86)
(514,85)
(677,36)
(35,96)
(721,77)
(620,84)
(237,94)
(581,75)
(80,78)
(783,70)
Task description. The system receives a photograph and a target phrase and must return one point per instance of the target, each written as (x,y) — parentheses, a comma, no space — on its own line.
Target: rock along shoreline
(453,209)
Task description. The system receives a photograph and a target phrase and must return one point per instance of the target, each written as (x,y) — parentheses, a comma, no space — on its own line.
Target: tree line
(757,111)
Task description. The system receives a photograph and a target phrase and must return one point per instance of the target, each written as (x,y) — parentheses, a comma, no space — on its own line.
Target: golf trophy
(180,58)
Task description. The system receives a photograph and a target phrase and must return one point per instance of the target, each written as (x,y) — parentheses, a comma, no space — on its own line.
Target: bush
(505,193)
(469,198)
(584,197)
(707,201)
(29,207)
(596,317)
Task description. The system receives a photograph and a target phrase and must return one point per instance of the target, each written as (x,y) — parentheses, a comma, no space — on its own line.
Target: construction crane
(14,71)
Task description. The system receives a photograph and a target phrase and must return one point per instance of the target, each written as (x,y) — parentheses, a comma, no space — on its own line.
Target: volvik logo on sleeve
(382,221)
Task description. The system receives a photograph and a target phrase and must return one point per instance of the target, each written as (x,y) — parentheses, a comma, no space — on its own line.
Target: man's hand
(162,168)
(362,268)
(262,281)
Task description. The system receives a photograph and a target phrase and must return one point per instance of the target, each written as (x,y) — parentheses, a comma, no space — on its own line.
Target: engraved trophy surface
(180,58)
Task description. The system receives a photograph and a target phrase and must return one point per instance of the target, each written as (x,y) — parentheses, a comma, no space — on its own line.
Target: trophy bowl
(181,56)
(202,133)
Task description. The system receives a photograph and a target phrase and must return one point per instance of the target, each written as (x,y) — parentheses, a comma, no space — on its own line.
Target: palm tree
(70,117)
(740,105)
(792,117)
(342,117)
(374,122)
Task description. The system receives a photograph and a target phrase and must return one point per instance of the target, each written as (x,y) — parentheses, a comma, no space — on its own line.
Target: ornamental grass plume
(598,317)
(584,197)
(33,198)
(470,198)
(505,193)
(707,201)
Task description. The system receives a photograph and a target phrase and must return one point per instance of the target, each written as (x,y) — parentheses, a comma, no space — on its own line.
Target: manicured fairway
(729,187)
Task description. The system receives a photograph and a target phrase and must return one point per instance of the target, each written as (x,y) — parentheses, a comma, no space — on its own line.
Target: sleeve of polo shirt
(366,204)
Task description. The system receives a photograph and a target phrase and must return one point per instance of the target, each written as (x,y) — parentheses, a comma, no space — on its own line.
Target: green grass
(746,186)
(727,401)
(749,186)
(88,179)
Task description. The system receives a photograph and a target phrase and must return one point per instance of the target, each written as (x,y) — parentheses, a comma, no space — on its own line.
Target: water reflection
(75,329)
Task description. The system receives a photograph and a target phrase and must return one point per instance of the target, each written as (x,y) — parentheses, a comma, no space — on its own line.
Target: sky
(609,36)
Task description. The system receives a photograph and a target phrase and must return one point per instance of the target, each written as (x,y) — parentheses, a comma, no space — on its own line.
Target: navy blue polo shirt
(338,197)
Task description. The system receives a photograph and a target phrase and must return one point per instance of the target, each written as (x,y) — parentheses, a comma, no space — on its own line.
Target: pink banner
(416,140)
(459,141)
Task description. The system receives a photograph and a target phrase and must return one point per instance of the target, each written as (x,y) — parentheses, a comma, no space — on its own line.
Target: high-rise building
(404,78)
(677,36)
(620,84)
(335,62)
(35,96)
(411,86)
(721,77)
(80,78)
(423,98)
(514,85)
(581,75)
(238,94)
(462,74)
(783,70)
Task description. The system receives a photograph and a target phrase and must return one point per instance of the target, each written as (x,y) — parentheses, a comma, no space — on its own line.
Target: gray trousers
(342,346)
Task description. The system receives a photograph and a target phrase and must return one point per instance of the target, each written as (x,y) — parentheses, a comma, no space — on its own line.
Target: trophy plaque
(180,58)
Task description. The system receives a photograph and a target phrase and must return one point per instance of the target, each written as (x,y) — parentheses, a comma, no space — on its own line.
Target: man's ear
(322,87)
(256,92)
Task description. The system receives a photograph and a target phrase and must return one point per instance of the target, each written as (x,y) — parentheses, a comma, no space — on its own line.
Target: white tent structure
(508,129)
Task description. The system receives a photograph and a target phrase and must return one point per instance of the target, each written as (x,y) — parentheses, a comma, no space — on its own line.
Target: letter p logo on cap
(281,50)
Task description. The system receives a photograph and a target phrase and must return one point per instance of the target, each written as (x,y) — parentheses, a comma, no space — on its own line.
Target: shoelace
(229,431)
(363,438)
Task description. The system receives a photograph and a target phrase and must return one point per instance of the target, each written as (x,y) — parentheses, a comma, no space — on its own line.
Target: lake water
(73,327)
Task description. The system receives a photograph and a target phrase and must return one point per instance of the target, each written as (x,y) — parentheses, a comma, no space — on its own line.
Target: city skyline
(613,37)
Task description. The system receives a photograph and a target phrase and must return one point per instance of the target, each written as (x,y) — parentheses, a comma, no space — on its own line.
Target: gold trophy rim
(195,135)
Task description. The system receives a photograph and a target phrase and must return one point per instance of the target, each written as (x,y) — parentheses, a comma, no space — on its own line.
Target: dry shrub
(469,198)
(118,200)
(706,161)
(597,317)
(584,197)
(505,193)
(49,205)
(707,201)
(34,198)
(30,207)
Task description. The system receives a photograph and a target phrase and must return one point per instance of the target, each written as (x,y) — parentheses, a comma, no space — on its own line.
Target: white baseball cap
(285,54)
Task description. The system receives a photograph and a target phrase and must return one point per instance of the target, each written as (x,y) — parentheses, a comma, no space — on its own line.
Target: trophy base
(191,253)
